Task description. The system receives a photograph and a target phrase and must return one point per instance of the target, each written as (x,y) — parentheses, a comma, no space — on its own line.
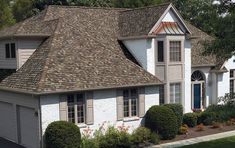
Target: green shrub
(207,118)
(190,119)
(154,138)
(162,120)
(141,135)
(89,143)
(114,139)
(62,134)
(178,110)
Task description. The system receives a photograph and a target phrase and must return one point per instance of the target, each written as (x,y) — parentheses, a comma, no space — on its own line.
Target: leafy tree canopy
(6,16)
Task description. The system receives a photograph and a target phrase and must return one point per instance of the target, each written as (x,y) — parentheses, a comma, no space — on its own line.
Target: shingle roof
(140,21)
(82,53)
(34,26)
(197,49)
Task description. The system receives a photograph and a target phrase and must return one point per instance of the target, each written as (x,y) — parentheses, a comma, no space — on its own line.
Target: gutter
(25,35)
(72,91)
(137,37)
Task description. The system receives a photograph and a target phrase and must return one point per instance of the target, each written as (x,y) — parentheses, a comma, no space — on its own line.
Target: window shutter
(141,92)
(63,108)
(120,113)
(89,108)
(7,50)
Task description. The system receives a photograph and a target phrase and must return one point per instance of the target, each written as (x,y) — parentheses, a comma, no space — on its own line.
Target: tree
(6,16)
(136,3)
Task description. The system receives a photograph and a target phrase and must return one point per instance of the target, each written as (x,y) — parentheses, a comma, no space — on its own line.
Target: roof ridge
(151,6)
(45,67)
(91,7)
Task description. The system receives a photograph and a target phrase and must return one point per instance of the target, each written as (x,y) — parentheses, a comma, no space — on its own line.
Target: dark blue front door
(197,96)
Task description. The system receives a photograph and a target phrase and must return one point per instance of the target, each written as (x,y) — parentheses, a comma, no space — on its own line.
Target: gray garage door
(7,121)
(28,125)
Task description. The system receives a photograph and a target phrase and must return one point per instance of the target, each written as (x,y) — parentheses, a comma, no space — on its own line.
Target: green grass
(220,143)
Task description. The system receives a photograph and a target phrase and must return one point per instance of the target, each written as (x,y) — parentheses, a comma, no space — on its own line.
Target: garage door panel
(28,125)
(7,121)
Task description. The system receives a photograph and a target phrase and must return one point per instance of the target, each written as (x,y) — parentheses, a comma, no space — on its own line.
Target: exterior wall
(24,49)
(105,109)
(7,63)
(143,51)
(187,79)
(49,110)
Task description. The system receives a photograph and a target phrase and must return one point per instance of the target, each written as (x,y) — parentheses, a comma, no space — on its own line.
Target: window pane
(161,95)
(80,108)
(134,102)
(175,93)
(13,50)
(231,86)
(160,51)
(172,93)
(231,73)
(71,113)
(126,103)
(175,51)
(7,50)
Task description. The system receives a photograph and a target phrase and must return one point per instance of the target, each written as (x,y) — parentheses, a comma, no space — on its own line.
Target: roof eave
(75,90)
(25,35)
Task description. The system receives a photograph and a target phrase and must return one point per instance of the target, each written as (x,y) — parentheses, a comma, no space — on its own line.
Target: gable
(170,23)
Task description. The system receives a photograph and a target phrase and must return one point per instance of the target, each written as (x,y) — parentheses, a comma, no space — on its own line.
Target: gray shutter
(63,108)
(89,108)
(120,113)
(141,92)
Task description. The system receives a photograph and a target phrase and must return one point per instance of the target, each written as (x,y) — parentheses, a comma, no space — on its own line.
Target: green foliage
(154,138)
(62,134)
(89,143)
(136,3)
(207,118)
(114,138)
(6,16)
(190,119)
(178,110)
(162,120)
(141,135)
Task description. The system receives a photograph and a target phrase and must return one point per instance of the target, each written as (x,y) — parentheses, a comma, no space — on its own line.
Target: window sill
(82,125)
(130,119)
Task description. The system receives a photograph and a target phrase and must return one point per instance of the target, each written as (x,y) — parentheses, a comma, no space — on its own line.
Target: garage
(19,119)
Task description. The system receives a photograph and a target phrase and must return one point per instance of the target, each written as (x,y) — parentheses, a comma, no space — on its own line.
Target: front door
(197,96)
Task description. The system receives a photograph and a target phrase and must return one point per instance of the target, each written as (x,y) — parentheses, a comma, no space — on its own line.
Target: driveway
(8,144)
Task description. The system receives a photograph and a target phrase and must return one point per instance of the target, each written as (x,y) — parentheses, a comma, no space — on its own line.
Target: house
(91,65)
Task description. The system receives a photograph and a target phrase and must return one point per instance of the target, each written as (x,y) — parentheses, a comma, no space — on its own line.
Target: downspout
(40,121)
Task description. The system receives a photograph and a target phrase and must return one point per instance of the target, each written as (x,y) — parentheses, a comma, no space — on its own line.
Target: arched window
(197,76)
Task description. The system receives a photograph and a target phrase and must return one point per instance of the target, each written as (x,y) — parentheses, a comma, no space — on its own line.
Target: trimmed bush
(141,135)
(154,138)
(162,120)
(62,134)
(207,118)
(190,119)
(178,110)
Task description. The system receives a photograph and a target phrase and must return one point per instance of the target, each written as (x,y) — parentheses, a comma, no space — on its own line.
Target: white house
(94,65)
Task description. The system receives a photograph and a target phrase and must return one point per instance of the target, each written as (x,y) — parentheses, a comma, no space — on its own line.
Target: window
(161,94)
(175,51)
(10,50)
(130,98)
(160,51)
(232,78)
(76,108)
(175,93)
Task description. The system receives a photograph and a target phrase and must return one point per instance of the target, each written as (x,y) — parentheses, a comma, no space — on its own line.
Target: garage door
(28,125)
(7,121)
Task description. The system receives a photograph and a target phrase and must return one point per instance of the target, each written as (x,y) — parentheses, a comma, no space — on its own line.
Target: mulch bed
(193,133)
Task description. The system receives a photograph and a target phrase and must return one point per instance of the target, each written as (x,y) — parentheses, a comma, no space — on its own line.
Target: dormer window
(175,51)
(10,50)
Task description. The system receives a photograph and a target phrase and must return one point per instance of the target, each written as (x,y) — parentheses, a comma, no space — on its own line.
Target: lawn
(220,143)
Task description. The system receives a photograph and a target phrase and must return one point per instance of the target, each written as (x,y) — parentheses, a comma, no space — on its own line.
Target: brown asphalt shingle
(82,53)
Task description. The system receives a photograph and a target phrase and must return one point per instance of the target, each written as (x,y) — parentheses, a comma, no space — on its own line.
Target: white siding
(105,110)
(6,63)
(26,49)
(187,75)
(143,51)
